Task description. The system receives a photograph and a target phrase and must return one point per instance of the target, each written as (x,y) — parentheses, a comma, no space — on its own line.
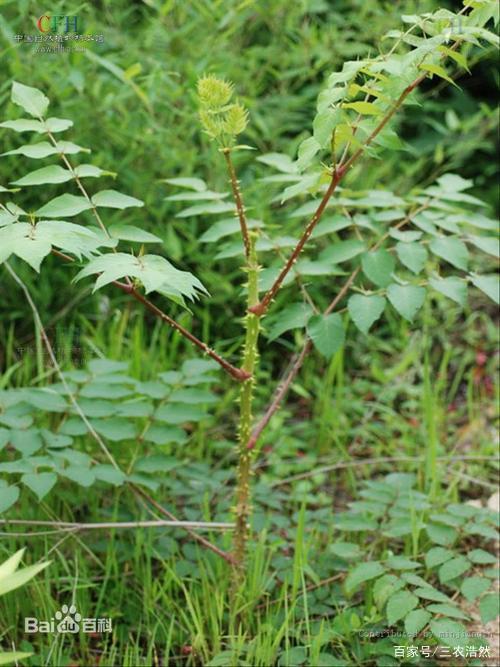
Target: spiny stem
(239,374)
(243,508)
(240,208)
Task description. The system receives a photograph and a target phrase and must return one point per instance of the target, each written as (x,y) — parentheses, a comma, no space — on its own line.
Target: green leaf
(13,657)
(437,556)
(187,182)
(179,413)
(438,71)
(40,483)
(114,199)
(361,573)
(21,239)
(453,288)
(449,610)
(324,124)
(36,151)
(451,249)
(449,632)
(64,206)
(294,316)
(207,208)
(82,476)
(156,463)
(161,434)
(481,557)
(364,108)
(32,100)
(155,273)
(342,251)
(52,174)
(406,299)
(307,150)
(132,233)
(378,266)
(365,310)
(401,563)
(489,607)
(327,333)
(8,496)
(346,550)
(453,568)
(412,255)
(115,428)
(406,237)
(88,170)
(26,441)
(108,473)
(430,593)
(488,244)
(473,587)
(16,579)
(23,125)
(416,621)
(488,284)
(399,605)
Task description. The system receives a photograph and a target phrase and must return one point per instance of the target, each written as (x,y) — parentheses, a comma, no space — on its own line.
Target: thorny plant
(388,250)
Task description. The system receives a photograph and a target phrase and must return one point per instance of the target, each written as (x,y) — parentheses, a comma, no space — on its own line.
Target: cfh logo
(58,23)
(67,621)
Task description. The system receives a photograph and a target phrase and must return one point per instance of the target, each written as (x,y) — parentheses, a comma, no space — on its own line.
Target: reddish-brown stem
(337,176)
(240,207)
(260,308)
(236,373)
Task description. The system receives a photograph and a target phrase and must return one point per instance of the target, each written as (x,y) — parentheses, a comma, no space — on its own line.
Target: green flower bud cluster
(222,119)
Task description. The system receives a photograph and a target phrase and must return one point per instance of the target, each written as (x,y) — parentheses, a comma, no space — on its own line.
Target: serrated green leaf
(327,333)
(307,150)
(453,568)
(22,240)
(473,587)
(401,563)
(449,633)
(40,483)
(110,474)
(51,174)
(489,607)
(365,310)
(406,299)
(115,428)
(378,266)
(412,255)
(437,556)
(438,71)
(346,550)
(132,233)
(451,249)
(342,251)
(488,244)
(488,284)
(361,573)
(114,199)
(155,273)
(32,100)
(364,108)
(8,496)
(64,206)
(453,288)
(187,182)
(481,557)
(430,593)
(416,621)
(294,316)
(449,610)
(324,124)
(399,605)
(162,434)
